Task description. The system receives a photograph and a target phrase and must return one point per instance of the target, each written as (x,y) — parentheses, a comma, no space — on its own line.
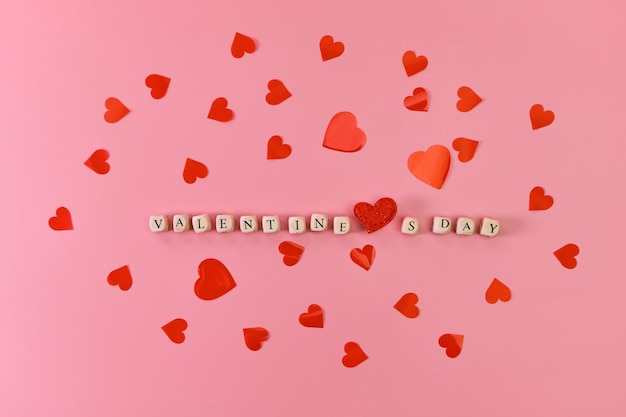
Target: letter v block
(159,223)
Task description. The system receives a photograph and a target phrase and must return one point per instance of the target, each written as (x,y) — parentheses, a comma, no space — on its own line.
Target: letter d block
(489,227)
(442,225)
(159,223)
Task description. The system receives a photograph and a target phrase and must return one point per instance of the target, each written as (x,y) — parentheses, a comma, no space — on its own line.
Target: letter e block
(224,223)
(341,225)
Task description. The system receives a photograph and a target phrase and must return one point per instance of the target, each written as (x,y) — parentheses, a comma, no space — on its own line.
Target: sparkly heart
(377,216)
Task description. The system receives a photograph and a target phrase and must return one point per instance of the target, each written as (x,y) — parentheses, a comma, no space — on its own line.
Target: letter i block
(442,225)
(181,222)
(297,224)
(489,227)
(159,223)
(410,225)
(201,223)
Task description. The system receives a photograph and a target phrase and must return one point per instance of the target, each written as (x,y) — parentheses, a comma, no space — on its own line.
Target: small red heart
(329,48)
(377,216)
(538,199)
(539,117)
(215,280)
(354,355)
(242,44)
(413,64)
(497,291)
(158,85)
(453,344)
(407,305)
(254,337)
(116,110)
(431,166)
(567,255)
(193,170)
(278,92)
(174,330)
(292,251)
(468,99)
(363,257)
(342,133)
(465,147)
(98,161)
(62,220)
(418,101)
(276,149)
(219,110)
(314,317)
(121,277)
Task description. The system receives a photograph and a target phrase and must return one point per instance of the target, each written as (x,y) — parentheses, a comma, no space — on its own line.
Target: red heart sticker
(468,99)
(431,166)
(413,64)
(314,317)
(342,133)
(538,199)
(278,92)
(276,149)
(62,220)
(174,330)
(354,355)
(254,337)
(121,277)
(241,45)
(497,291)
(567,255)
(292,251)
(194,170)
(453,344)
(329,48)
(363,257)
(97,162)
(116,110)
(407,305)
(215,280)
(377,216)
(539,117)
(465,147)
(219,110)
(158,85)
(418,101)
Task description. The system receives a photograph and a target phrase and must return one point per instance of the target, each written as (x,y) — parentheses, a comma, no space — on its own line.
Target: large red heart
(314,317)
(174,330)
(418,101)
(219,110)
(62,220)
(453,344)
(407,305)
(413,64)
(465,147)
(121,277)
(193,170)
(254,337)
(497,291)
(292,251)
(276,149)
(567,255)
(539,117)
(431,166)
(342,133)
(329,48)
(363,257)
(468,99)
(377,216)
(215,280)
(98,161)
(538,200)
(158,85)
(116,110)
(278,92)
(241,45)
(354,355)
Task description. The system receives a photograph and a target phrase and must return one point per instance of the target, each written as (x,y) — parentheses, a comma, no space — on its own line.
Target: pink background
(73,345)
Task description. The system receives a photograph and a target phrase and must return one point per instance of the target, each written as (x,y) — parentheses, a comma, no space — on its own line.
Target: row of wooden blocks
(225,223)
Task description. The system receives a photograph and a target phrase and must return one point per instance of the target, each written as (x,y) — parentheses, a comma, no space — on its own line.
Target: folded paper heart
(278,92)
(418,101)
(97,162)
(453,343)
(539,117)
(407,305)
(174,330)
(194,170)
(214,280)
(314,317)
(465,147)
(62,220)
(538,200)
(497,291)
(121,277)
(354,355)
(431,166)
(363,257)
(219,110)
(116,110)
(329,48)
(276,149)
(342,133)
(254,337)
(468,99)
(567,255)
(292,251)
(413,64)
(375,217)
(158,85)
(242,44)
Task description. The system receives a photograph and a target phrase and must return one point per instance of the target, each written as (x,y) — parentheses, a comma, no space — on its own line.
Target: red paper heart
(497,291)
(431,166)
(314,317)
(242,44)
(539,117)
(407,305)
(418,101)
(194,170)
(98,161)
(174,330)
(342,133)
(292,251)
(121,277)
(363,257)
(468,99)
(413,64)
(465,147)
(254,337)
(329,48)
(276,149)
(219,110)
(538,200)
(62,220)
(158,85)
(278,92)
(453,344)
(567,255)
(377,216)
(116,110)
(354,355)
(215,280)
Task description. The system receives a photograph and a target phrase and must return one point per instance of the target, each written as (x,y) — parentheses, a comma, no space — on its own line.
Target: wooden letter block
(465,226)
(224,223)
(181,222)
(159,223)
(319,222)
(248,224)
(201,223)
(297,224)
(271,224)
(489,227)
(410,225)
(442,225)
(341,225)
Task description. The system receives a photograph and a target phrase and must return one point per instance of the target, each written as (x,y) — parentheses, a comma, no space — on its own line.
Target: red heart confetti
(413,64)
(407,305)
(539,117)
(116,110)
(342,133)
(97,162)
(158,85)
(465,147)
(453,344)
(363,257)
(194,170)
(278,92)
(62,220)
(214,280)
(431,166)
(468,99)
(219,110)
(292,251)
(538,200)
(242,44)
(276,149)
(418,101)
(174,330)
(314,317)
(567,255)
(254,337)
(329,48)
(354,355)
(497,291)
(377,216)
(121,277)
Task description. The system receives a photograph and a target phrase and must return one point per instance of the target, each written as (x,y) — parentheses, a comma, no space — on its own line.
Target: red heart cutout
(314,317)
(254,337)
(242,44)
(158,85)
(468,99)
(215,280)
(407,305)
(465,147)
(453,344)
(497,291)
(567,255)
(121,277)
(278,92)
(329,48)
(539,117)
(98,161)
(292,251)
(276,149)
(219,110)
(431,166)
(116,110)
(174,330)
(354,355)
(418,101)
(342,133)
(193,170)
(413,64)
(62,220)
(538,199)
(377,216)
(363,257)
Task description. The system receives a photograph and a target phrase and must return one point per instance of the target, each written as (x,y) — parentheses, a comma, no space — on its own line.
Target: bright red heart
(254,337)
(431,166)
(407,305)
(62,220)
(539,117)
(116,110)
(329,48)
(453,344)
(363,257)
(158,85)
(465,147)
(276,149)
(194,170)
(174,330)
(292,251)
(121,277)
(413,64)
(377,216)
(418,101)
(241,45)
(354,355)
(215,280)
(468,99)
(497,291)
(219,110)
(314,317)
(278,92)
(342,133)
(538,200)
(567,255)
(98,161)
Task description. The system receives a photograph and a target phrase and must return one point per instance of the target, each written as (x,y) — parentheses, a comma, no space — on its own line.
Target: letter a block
(465,226)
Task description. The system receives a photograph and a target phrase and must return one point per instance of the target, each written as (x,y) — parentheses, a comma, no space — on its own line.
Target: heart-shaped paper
(342,133)
(242,44)
(465,147)
(453,343)
(497,291)
(121,277)
(62,220)
(567,255)
(278,92)
(292,251)
(539,117)
(418,101)
(538,200)
(363,257)
(431,166)
(254,337)
(329,48)
(276,149)
(468,99)
(116,110)
(413,64)
(377,216)
(158,85)
(314,317)
(219,110)
(214,280)
(194,170)
(97,162)
(174,330)
(354,355)
(407,305)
